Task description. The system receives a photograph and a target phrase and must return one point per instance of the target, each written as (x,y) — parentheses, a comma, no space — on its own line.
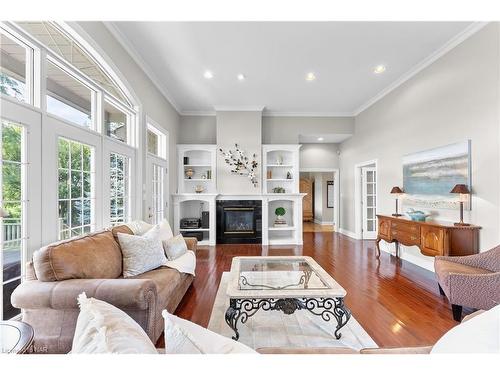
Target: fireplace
(239,221)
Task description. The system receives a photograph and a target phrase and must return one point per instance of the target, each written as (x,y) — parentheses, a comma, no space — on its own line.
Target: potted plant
(280,221)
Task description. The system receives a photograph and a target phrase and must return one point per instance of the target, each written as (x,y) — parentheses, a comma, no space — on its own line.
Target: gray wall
(198,129)
(319,155)
(284,129)
(152,100)
(244,128)
(454,99)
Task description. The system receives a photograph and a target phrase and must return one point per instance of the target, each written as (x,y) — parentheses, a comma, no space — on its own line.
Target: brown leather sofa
(92,264)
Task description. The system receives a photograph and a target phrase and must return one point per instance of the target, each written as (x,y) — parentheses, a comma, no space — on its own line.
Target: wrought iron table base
(240,310)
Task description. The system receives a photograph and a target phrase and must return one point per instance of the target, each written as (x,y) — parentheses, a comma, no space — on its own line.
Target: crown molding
(249,108)
(146,68)
(197,113)
(447,47)
(306,114)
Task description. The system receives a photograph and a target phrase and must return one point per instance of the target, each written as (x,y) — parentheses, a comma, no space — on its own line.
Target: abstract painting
(429,176)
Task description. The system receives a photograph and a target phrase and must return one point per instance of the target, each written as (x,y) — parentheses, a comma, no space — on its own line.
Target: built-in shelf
(201,159)
(280,179)
(280,166)
(281,228)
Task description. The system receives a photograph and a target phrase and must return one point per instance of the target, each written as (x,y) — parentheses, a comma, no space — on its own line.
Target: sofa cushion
(444,268)
(93,256)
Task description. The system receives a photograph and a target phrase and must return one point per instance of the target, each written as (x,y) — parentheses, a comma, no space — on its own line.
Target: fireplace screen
(239,220)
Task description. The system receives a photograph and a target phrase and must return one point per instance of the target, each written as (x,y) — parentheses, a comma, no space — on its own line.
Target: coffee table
(15,337)
(283,283)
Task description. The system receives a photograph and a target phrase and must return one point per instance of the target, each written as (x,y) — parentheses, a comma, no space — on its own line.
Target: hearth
(239,221)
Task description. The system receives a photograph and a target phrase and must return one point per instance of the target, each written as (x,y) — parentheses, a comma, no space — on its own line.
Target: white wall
(153,102)
(454,99)
(243,128)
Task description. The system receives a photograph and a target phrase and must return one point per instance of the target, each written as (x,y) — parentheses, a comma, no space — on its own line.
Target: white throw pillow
(103,328)
(175,247)
(165,230)
(141,253)
(480,334)
(139,227)
(185,337)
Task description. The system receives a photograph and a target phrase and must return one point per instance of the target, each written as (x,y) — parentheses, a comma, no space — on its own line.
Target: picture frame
(330,196)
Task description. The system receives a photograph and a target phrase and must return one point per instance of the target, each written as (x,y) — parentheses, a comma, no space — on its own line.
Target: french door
(369,202)
(19,197)
(157,189)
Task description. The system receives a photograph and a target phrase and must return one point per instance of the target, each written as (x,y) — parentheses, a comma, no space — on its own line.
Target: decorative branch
(240,164)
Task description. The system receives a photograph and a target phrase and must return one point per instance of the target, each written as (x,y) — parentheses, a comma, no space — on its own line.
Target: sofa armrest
(476,290)
(415,350)
(132,294)
(192,243)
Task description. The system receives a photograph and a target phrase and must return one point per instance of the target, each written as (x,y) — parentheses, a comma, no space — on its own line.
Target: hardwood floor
(396,302)
(313,227)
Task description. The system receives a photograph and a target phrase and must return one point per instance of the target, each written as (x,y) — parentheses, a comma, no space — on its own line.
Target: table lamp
(398,192)
(464,192)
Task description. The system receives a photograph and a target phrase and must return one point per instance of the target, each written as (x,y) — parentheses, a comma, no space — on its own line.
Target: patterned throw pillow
(175,247)
(141,253)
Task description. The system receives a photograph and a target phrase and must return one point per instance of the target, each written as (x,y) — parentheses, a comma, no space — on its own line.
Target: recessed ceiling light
(241,77)
(320,139)
(379,69)
(310,76)
(208,74)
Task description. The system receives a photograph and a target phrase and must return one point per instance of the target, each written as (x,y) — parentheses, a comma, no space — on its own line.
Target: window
(67,97)
(76,188)
(152,143)
(12,203)
(60,43)
(13,68)
(115,122)
(119,188)
(156,141)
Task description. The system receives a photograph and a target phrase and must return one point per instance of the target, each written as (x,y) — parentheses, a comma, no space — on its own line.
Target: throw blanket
(185,263)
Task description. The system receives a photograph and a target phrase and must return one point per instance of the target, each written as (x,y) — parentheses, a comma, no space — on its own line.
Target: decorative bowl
(417,215)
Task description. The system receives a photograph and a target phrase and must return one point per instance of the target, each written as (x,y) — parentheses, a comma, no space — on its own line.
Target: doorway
(320,204)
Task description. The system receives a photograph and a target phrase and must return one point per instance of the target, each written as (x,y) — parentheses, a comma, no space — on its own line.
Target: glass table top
(278,274)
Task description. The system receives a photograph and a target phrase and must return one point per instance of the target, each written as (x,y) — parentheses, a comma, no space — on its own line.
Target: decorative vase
(199,189)
(189,173)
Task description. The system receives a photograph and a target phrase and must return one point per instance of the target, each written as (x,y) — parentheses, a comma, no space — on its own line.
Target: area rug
(275,329)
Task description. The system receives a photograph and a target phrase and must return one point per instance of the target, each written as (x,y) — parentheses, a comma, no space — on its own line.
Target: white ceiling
(275,57)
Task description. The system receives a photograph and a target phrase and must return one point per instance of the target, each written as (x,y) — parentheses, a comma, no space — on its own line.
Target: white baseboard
(348,233)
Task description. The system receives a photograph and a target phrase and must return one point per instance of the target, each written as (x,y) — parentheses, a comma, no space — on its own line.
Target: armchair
(472,281)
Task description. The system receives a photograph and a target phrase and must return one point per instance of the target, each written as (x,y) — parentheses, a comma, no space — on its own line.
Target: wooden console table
(432,237)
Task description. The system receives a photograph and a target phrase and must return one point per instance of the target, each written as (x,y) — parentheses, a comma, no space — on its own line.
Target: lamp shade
(396,190)
(460,189)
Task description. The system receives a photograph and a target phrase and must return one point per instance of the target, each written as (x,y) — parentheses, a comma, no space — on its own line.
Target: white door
(157,189)
(19,196)
(369,202)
